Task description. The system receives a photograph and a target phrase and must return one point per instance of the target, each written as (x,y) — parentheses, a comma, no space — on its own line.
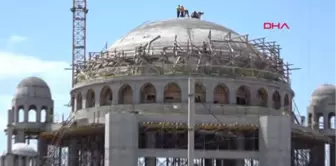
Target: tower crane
(79,11)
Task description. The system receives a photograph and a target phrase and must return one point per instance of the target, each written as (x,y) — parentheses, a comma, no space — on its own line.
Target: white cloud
(18,65)
(15,67)
(16,39)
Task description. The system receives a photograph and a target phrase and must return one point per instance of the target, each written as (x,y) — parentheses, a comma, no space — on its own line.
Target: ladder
(57,138)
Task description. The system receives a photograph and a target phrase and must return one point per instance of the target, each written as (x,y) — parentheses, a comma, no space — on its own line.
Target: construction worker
(178,10)
(182,11)
(186,13)
(194,14)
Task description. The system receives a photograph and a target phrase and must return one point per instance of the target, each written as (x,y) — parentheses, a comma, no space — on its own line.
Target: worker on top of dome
(182,11)
(196,14)
(186,13)
(178,9)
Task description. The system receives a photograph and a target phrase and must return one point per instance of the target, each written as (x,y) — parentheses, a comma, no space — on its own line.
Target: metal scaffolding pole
(191,121)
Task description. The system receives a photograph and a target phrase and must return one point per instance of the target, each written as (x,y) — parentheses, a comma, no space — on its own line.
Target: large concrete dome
(23,150)
(184,46)
(184,28)
(33,87)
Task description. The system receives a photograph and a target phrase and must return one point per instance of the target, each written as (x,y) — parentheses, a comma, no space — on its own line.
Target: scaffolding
(234,56)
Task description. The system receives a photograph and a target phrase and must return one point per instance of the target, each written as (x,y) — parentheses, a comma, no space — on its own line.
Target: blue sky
(35,37)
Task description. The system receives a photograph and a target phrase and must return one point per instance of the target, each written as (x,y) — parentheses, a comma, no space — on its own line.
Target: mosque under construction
(170,88)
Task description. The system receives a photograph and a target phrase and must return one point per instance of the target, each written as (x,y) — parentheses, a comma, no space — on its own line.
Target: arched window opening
(106,96)
(126,95)
(32,113)
(221,95)
(243,96)
(148,94)
(262,97)
(200,93)
(331,120)
(320,119)
(79,102)
(276,100)
(44,114)
(90,99)
(286,103)
(172,93)
(21,114)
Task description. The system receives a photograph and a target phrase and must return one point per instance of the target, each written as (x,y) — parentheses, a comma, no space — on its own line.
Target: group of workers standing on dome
(183,12)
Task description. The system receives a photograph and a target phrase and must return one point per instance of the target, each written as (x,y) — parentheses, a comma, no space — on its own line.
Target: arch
(221,94)
(243,95)
(21,114)
(331,120)
(148,93)
(126,94)
(43,114)
(286,102)
(320,120)
(276,99)
(200,93)
(262,97)
(79,101)
(32,112)
(90,98)
(172,93)
(106,96)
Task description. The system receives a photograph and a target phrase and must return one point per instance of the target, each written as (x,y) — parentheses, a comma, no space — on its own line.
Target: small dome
(23,149)
(323,95)
(324,90)
(33,87)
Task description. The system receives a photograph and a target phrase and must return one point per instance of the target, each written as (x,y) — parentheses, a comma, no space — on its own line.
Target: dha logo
(271,25)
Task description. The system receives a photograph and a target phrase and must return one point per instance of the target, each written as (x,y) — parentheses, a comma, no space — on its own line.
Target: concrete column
(20,161)
(332,155)
(27,161)
(84,100)
(209,87)
(232,96)
(150,142)
(2,161)
(240,147)
(73,153)
(42,147)
(20,137)
(16,114)
(115,94)
(26,113)
(325,121)
(9,131)
(275,140)
(38,115)
(317,154)
(159,92)
(136,93)
(9,159)
(254,100)
(121,139)
(97,92)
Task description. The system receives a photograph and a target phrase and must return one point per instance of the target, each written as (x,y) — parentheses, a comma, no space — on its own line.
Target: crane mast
(79,11)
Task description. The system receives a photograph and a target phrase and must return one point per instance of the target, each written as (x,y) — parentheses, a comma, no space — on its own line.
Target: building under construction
(132,104)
